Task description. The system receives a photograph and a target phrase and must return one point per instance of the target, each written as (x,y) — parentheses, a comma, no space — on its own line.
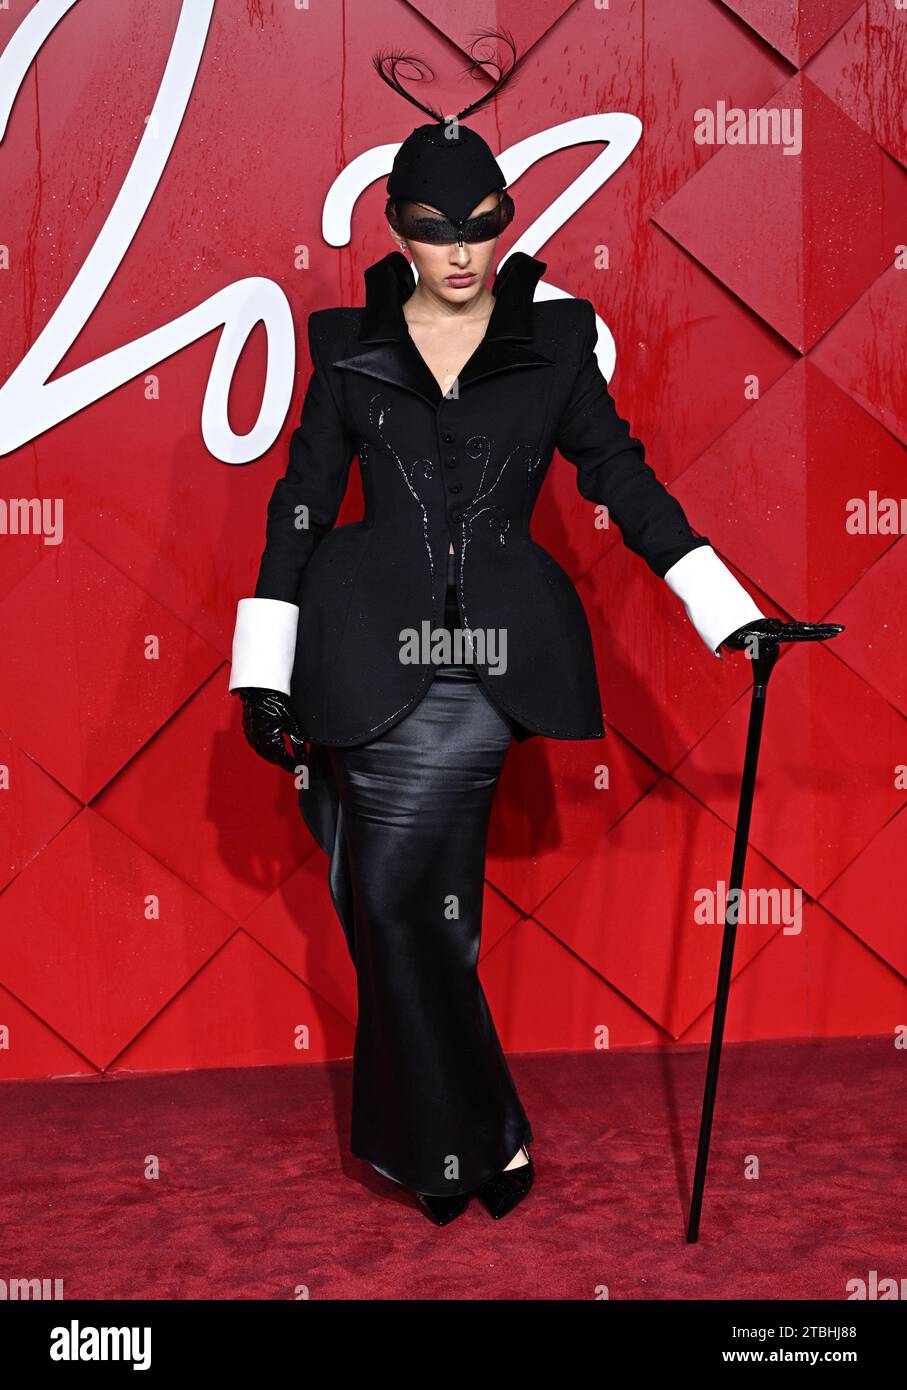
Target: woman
(454,398)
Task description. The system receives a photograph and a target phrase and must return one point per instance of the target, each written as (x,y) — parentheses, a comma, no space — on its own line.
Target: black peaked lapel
(392,356)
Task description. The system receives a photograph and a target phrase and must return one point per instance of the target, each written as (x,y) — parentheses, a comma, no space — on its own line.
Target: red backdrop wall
(162,904)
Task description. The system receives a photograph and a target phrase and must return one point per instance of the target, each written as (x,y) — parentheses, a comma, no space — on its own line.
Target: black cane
(763,664)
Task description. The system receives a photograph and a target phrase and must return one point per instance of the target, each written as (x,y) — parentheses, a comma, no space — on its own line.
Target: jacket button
(448,438)
(451,462)
(454,487)
(455,514)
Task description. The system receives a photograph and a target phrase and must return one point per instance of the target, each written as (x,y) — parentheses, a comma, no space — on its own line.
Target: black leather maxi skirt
(434,1104)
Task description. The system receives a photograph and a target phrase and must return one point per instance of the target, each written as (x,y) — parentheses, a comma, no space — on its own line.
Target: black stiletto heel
(500,1194)
(442,1210)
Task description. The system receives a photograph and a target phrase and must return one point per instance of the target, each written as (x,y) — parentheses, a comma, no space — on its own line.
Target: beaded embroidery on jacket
(478,446)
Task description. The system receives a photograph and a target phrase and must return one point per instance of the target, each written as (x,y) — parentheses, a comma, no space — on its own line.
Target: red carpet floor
(257,1196)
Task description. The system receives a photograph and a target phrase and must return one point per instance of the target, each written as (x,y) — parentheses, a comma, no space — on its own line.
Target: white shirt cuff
(264,644)
(716,604)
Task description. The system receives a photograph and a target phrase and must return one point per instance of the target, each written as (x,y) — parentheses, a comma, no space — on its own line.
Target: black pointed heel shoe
(442,1210)
(500,1194)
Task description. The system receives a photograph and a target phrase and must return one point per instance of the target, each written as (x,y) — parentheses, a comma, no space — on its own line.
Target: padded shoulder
(570,323)
(331,330)
(335,318)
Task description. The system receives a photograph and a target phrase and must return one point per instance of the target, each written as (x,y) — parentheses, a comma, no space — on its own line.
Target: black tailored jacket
(463,468)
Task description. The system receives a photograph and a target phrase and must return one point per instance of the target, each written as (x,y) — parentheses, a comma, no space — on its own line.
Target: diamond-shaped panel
(547,999)
(743,216)
(797,28)
(31,1048)
(852,991)
(863,895)
(96,936)
(202,802)
(33,808)
(105,667)
(299,926)
(861,69)
(242,1009)
(555,800)
(825,783)
(781,484)
(770,997)
(862,353)
(874,640)
(628,910)
(659,684)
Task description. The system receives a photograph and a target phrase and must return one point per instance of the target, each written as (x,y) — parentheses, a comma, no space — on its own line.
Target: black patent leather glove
(773,631)
(268,721)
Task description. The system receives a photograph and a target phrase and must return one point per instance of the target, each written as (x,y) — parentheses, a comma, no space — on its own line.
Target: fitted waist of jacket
(390,521)
(451,607)
(459,665)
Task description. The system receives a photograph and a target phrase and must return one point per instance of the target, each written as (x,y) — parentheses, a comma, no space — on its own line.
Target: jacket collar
(390,282)
(391,355)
